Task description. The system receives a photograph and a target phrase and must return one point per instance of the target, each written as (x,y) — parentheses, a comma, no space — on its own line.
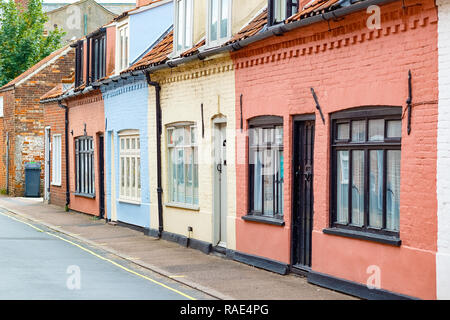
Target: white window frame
(177,27)
(219,41)
(56,151)
(120,49)
(193,145)
(1,107)
(128,192)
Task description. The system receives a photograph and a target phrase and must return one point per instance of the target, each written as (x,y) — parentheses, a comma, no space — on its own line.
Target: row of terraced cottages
(297,136)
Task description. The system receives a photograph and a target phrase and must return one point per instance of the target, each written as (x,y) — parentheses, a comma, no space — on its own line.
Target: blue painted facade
(147,26)
(126,108)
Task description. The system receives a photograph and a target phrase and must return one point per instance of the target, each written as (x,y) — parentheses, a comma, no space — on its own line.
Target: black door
(101,165)
(302,217)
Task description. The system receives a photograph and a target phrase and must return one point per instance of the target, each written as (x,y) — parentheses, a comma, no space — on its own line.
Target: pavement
(186,270)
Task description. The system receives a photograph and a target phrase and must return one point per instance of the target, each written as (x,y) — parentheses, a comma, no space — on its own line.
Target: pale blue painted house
(126,116)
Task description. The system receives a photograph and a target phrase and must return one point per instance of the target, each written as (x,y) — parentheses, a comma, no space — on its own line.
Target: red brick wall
(6,124)
(25,119)
(54,117)
(349,66)
(90,104)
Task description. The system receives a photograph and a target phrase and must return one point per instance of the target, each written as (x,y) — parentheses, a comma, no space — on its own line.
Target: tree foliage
(22,39)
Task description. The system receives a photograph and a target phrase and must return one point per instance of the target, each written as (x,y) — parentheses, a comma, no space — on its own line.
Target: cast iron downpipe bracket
(409,101)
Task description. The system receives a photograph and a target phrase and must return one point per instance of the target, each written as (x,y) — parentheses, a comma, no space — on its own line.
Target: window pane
(224,19)
(180,176)
(342,187)
(279,135)
(376,130)
(122,176)
(280,183)
(394,129)
(181,26)
(359,131)
(393,190)
(139,176)
(188,169)
(173,170)
(127,174)
(376,189)
(188,29)
(214,19)
(268,175)
(133,177)
(257,182)
(195,173)
(343,131)
(358,187)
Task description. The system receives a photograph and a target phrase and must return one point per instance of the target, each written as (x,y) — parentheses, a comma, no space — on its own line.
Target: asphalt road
(38,263)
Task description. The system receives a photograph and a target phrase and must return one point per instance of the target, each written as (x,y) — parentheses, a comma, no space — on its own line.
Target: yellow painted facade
(183,90)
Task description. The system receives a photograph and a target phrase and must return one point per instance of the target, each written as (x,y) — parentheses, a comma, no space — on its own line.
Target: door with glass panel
(220,185)
(302,216)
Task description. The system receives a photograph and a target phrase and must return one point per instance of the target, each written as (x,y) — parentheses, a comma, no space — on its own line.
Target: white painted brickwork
(443,146)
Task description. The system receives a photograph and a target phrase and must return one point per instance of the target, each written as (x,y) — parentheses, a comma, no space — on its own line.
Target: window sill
(391,240)
(135,202)
(182,206)
(56,184)
(263,219)
(85,195)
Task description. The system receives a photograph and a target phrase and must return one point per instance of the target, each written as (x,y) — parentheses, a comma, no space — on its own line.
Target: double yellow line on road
(101,257)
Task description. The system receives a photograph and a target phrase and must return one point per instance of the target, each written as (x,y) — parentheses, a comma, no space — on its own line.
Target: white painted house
(443,147)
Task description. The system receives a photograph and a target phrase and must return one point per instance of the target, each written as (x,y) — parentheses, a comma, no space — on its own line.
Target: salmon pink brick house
(337,103)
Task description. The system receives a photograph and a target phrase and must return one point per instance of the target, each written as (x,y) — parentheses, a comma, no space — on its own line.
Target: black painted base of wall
(181,240)
(353,288)
(260,262)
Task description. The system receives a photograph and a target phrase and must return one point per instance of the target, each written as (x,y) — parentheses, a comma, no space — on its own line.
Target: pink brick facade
(349,66)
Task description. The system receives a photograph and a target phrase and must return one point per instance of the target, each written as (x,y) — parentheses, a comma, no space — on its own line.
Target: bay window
(183,164)
(219,17)
(266,174)
(183,24)
(366,154)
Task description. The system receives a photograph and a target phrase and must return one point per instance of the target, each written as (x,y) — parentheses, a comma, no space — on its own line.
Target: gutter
(158,150)
(275,30)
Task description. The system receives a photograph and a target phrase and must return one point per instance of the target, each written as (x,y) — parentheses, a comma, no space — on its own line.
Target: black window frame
(96,55)
(292,7)
(347,116)
(84,166)
(79,59)
(264,122)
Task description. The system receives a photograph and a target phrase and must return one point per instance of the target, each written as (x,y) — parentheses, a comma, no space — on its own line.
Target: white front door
(47,164)
(220,185)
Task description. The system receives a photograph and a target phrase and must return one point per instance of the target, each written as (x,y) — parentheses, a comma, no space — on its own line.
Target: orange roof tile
(194,49)
(159,54)
(54,93)
(125,13)
(252,28)
(260,21)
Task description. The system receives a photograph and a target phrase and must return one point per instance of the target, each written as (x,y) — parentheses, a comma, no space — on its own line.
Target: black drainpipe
(158,150)
(66,141)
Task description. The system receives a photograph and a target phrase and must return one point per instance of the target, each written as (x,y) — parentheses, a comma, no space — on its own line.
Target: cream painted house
(198,127)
